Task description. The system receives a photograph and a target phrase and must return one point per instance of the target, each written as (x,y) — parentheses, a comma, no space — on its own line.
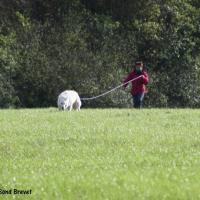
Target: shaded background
(47,46)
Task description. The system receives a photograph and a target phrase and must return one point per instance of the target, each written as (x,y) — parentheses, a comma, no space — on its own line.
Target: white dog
(68,100)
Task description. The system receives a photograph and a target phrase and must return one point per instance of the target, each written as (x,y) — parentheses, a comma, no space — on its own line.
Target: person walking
(138,89)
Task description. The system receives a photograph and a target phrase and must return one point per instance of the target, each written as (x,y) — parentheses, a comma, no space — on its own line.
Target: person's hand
(142,76)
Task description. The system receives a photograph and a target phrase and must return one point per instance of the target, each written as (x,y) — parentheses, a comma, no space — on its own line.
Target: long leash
(103,94)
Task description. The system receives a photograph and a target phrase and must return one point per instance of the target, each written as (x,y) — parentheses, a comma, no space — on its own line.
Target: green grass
(101,154)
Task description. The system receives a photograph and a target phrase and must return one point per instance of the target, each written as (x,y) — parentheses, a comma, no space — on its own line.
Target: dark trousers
(138,99)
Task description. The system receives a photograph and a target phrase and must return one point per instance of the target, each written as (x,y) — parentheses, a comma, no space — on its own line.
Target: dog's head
(64,105)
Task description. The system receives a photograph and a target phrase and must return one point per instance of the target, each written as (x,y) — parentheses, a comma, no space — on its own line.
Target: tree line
(91,45)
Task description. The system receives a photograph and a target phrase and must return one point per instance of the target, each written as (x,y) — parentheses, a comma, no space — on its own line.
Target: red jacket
(138,85)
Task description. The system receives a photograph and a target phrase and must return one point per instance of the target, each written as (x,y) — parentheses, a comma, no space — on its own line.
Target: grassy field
(101,154)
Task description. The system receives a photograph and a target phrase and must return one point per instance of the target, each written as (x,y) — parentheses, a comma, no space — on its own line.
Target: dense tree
(90,46)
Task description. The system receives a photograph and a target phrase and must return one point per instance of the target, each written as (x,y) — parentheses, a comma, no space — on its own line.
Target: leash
(103,94)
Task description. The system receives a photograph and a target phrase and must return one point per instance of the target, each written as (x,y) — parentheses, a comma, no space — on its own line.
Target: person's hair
(138,62)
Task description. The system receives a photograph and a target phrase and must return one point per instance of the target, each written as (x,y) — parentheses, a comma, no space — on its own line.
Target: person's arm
(145,78)
(128,78)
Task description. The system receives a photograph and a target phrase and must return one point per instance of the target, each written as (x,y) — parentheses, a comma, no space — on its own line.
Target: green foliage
(90,46)
(7,68)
